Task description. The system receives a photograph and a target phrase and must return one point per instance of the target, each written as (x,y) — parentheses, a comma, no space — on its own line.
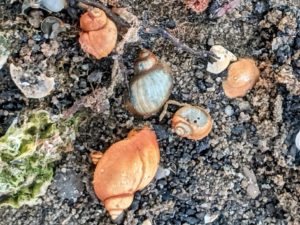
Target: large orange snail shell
(192,122)
(99,34)
(242,76)
(126,167)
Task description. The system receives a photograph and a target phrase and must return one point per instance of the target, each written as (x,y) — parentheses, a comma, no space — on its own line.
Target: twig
(165,109)
(108,12)
(203,54)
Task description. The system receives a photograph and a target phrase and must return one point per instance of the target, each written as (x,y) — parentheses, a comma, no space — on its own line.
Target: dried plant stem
(118,20)
(169,102)
(203,54)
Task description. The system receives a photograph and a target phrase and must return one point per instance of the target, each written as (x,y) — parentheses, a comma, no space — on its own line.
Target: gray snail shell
(151,86)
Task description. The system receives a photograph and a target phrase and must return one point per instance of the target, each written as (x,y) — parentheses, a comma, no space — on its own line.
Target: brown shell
(99,34)
(126,167)
(192,122)
(242,76)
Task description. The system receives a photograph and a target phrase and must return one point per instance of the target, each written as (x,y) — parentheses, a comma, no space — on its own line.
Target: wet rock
(68,185)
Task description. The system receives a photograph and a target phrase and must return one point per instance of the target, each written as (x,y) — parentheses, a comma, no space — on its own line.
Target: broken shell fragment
(221,64)
(151,86)
(52,26)
(242,76)
(99,34)
(192,122)
(31,85)
(126,167)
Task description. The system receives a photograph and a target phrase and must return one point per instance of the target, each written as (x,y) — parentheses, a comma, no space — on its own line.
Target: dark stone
(68,185)
(191,220)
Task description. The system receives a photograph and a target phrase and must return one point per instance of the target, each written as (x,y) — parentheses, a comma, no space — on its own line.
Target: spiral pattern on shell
(99,34)
(242,76)
(192,122)
(151,85)
(126,167)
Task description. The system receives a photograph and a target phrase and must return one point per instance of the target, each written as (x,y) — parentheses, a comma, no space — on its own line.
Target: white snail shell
(192,122)
(151,85)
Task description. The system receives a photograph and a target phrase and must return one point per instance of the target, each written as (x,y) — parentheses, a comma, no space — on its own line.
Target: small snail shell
(126,167)
(242,76)
(49,5)
(151,86)
(54,5)
(99,33)
(192,122)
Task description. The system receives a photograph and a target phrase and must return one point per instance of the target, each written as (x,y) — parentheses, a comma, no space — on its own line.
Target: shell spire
(99,34)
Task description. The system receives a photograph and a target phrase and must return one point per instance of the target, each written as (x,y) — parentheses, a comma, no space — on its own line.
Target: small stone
(210,218)
(147,222)
(225,57)
(162,173)
(229,110)
(95,77)
(68,185)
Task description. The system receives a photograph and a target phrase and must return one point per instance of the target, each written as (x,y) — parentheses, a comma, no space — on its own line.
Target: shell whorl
(183,129)
(93,20)
(117,204)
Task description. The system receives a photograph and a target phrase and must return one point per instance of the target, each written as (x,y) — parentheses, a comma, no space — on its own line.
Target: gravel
(207,182)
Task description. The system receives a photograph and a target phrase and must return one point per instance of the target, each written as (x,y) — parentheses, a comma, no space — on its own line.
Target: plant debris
(27,153)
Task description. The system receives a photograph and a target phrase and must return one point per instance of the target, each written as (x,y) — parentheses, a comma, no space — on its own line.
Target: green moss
(27,154)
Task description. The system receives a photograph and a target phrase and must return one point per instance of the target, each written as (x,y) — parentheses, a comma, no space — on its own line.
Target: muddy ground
(252,137)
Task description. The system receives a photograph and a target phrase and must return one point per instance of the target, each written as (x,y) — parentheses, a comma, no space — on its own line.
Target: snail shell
(99,34)
(242,76)
(126,167)
(192,122)
(151,85)
(49,5)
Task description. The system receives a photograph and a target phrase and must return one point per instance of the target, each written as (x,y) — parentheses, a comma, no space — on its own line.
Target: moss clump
(27,154)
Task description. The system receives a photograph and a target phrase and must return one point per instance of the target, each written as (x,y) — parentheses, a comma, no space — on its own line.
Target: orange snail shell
(99,34)
(192,122)
(242,76)
(126,167)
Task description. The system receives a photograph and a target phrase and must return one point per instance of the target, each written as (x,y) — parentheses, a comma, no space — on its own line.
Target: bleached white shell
(49,5)
(225,57)
(31,85)
(54,5)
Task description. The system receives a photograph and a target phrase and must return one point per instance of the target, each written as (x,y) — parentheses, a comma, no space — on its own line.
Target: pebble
(162,173)
(225,57)
(210,218)
(147,222)
(68,185)
(229,110)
